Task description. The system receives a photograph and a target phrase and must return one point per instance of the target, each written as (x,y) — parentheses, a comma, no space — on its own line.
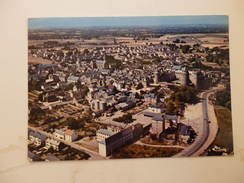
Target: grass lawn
(224,137)
(147,140)
(142,151)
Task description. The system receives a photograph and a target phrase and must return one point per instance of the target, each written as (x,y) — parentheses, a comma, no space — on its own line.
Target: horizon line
(125,21)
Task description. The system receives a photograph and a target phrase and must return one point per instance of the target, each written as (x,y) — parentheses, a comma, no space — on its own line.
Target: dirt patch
(38,60)
(193,117)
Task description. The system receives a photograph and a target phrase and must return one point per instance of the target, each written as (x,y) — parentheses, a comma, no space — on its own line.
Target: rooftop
(155,106)
(60,132)
(105,132)
(37,135)
(69,132)
(178,68)
(73,78)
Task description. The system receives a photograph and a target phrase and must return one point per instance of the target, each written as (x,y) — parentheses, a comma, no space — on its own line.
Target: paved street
(209,130)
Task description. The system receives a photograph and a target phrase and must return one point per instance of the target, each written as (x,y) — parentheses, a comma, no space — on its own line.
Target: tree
(69,86)
(34,85)
(179,96)
(126,118)
(36,113)
(171,108)
(176,41)
(184,94)
(112,62)
(75,124)
(86,51)
(185,48)
(156,60)
(139,86)
(223,98)
(84,91)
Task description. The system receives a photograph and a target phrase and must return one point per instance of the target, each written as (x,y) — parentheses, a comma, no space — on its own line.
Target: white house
(59,134)
(52,143)
(70,135)
(67,135)
(36,138)
(155,109)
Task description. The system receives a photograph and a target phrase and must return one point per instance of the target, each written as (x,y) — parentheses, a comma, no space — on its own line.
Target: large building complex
(109,141)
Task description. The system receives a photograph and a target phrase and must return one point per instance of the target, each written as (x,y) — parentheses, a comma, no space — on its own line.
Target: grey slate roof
(105,132)
(184,130)
(37,135)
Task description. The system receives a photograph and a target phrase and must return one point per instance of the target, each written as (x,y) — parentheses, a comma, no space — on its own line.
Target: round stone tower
(156,77)
(193,76)
(182,76)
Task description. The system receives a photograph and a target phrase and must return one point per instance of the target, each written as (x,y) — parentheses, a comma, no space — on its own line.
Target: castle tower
(156,77)
(194,78)
(182,76)
(145,83)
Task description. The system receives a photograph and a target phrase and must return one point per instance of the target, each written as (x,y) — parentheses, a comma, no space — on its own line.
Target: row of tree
(126,118)
(181,95)
(223,98)
(79,123)
(112,62)
(219,56)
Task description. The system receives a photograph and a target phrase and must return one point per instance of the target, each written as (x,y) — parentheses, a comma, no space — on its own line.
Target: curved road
(205,138)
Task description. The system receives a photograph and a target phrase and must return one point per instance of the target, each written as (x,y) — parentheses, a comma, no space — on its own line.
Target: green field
(224,137)
(142,151)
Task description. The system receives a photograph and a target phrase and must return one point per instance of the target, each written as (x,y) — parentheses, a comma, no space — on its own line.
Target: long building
(109,142)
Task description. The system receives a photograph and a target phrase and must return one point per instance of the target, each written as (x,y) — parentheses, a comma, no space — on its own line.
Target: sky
(79,22)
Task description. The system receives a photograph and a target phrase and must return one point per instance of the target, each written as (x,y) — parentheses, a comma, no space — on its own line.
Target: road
(94,155)
(165,146)
(209,130)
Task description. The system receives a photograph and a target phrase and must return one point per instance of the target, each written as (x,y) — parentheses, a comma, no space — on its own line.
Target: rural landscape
(128,87)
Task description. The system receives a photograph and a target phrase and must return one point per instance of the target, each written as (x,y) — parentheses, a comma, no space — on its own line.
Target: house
(70,135)
(66,135)
(100,64)
(59,134)
(98,105)
(122,98)
(49,79)
(121,106)
(119,85)
(36,138)
(55,144)
(72,79)
(155,109)
(125,105)
(151,98)
(184,133)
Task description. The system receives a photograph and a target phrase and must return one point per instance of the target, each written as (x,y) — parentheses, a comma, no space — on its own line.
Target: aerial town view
(128,87)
